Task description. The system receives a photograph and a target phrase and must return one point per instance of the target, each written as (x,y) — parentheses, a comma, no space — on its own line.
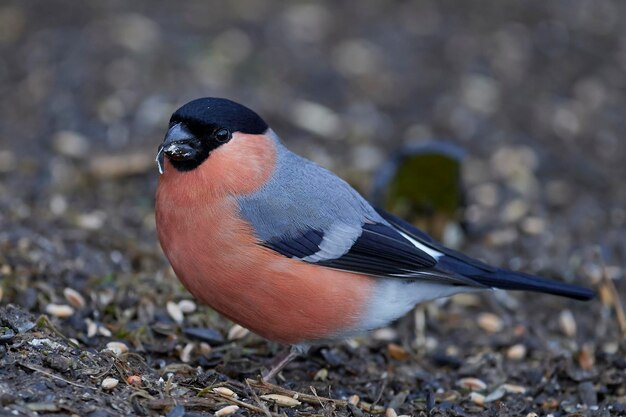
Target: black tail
(509,280)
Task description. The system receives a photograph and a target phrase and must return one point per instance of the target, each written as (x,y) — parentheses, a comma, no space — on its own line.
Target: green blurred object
(422,184)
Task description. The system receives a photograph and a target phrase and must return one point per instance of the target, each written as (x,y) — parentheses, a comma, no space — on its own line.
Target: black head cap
(211,112)
(201,126)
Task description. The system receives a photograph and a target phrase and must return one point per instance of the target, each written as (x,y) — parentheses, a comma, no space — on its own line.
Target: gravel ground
(534,92)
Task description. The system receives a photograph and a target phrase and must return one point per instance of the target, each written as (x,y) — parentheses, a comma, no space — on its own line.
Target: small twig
(211,402)
(383,385)
(43,371)
(307,398)
(615,300)
(258,400)
(44,321)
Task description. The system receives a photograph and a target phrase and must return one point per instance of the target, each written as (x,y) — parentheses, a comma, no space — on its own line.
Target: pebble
(490,323)
(225,392)
(473,384)
(74,298)
(227,411)
(237,332)
(281,400)
(567,323)
(109,383)
(59,310)
(175,312)
(134,380)
(205,348)
(516,352)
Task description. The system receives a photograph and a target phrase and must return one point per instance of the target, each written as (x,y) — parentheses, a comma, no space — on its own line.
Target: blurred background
(532,92)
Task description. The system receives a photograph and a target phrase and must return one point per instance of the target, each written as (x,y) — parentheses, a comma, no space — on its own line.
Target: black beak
(177,145)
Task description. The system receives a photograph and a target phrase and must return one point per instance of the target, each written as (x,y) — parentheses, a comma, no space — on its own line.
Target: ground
(532,91)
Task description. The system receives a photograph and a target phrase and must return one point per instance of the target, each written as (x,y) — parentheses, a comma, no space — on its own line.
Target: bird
(287,249)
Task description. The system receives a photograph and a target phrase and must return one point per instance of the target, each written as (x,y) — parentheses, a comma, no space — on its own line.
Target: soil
(532,91)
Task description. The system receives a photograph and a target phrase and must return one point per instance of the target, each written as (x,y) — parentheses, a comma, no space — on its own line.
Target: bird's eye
(222,135)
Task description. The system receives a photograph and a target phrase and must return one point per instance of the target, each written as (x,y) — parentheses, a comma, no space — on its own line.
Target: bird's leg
(282,360)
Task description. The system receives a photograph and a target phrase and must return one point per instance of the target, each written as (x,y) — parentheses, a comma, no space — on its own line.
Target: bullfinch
(286,248)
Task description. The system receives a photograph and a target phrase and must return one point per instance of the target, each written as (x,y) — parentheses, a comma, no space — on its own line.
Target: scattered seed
(59,310)
(567,323)
(321,375)
(74,298)
(586,357)
(390,412)
(92,327)
(516,352)
(225,392)
(133,380)
(175,312)
(495,395)
(477,398)
(187,306)
(117,348)
(185,354)
(237,332)
(354,399)
(473,384)
(104,331)
(513,389)
(281,400)
(532,415)
(109,383)
(226,411)
(397,352)
(205,348)
(489,322)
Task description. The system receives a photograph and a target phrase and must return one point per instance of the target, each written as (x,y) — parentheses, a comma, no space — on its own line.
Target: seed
(567,323)
(237,332)
(516,352)
(92,327)
(321,375)
(185,354)
(477,398)
(187,306)
(532,415)
(74,297)
(104,331)
(489,322)
(281,400)
(354,399)
(226,411)
(205,348)
(59,310)
(390,412)
(473,384)
(117,347)
(513,389)
(109,383)
(397,352)
(225,392)
(496,395)
(175,312)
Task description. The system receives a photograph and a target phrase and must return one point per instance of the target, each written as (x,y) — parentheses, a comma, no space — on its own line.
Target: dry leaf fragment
(397,352)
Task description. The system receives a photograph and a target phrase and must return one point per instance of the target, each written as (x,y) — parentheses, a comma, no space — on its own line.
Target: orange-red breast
(287,249)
